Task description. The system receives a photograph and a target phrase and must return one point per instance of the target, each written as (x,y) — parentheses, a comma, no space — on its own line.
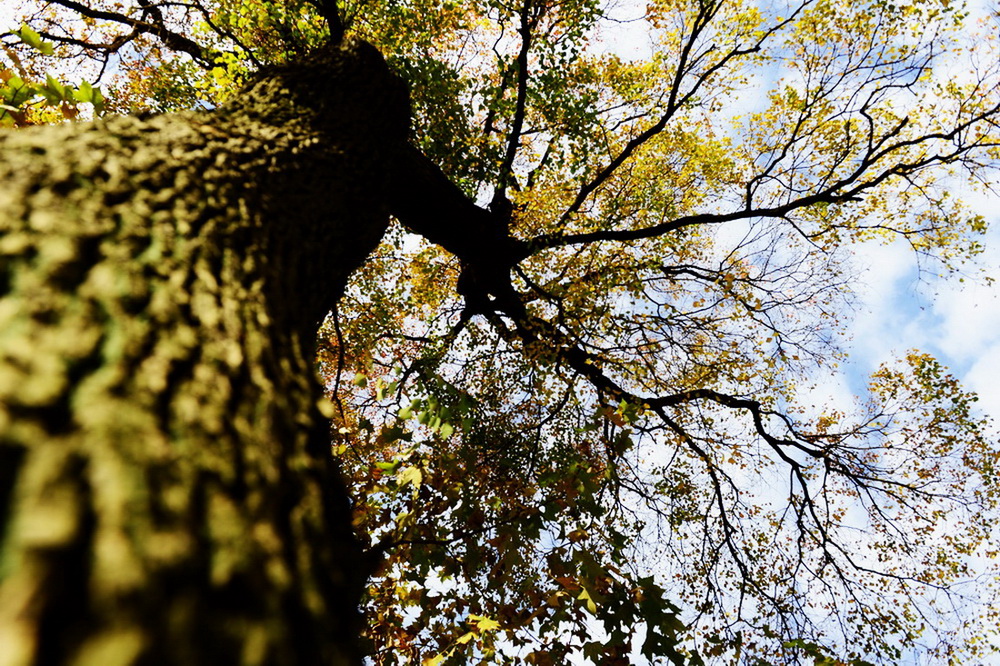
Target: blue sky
(955,318)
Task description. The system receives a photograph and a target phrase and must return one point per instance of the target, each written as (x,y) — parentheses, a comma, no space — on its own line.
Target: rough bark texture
(166,490)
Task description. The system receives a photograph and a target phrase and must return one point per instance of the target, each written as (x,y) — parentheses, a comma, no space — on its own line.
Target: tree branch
(501,203)
(156,28)
(328,10)
(676,98)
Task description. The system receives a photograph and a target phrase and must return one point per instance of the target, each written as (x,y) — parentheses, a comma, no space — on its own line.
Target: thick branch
(500,201)
(427,202)
(328,10)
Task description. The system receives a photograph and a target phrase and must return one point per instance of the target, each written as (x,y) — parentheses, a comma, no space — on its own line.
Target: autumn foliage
(597,437)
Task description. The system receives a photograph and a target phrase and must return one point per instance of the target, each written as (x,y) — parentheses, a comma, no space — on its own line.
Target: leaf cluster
(24,101)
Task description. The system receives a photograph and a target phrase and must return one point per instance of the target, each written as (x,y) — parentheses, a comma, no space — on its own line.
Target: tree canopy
(571,388)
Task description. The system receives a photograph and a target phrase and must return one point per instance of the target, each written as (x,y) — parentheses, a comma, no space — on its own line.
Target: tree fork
(167,495)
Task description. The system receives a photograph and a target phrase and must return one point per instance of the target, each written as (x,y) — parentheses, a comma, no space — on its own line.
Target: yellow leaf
(466,638)
(410,475)
(585,597)
(484,623)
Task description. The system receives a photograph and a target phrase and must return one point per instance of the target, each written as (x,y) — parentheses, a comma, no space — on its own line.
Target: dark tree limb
(334,21)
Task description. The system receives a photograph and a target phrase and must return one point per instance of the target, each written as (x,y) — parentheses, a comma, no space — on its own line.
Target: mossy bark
(166,490)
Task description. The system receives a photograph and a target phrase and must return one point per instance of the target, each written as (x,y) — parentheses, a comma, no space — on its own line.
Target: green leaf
(55,92)
(34,40)
(98,101)
(84,92)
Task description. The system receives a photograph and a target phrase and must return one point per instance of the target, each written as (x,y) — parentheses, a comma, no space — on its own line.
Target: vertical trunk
(166,490)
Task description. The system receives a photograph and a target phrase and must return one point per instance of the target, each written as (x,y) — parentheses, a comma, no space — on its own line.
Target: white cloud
(984,378)
(889,310)
(970,319)
(956,320)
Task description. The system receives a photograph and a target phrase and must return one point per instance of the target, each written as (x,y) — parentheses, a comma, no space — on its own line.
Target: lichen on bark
(166,490)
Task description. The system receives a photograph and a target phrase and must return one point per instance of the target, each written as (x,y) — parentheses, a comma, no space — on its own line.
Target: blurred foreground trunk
(166,490)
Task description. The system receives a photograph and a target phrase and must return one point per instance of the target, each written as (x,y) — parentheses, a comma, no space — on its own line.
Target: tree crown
(571,386)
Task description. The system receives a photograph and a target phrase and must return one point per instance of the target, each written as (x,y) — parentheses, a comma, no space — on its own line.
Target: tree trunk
(166,490)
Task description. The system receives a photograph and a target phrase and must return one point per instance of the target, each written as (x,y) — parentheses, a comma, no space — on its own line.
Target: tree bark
(167,495)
